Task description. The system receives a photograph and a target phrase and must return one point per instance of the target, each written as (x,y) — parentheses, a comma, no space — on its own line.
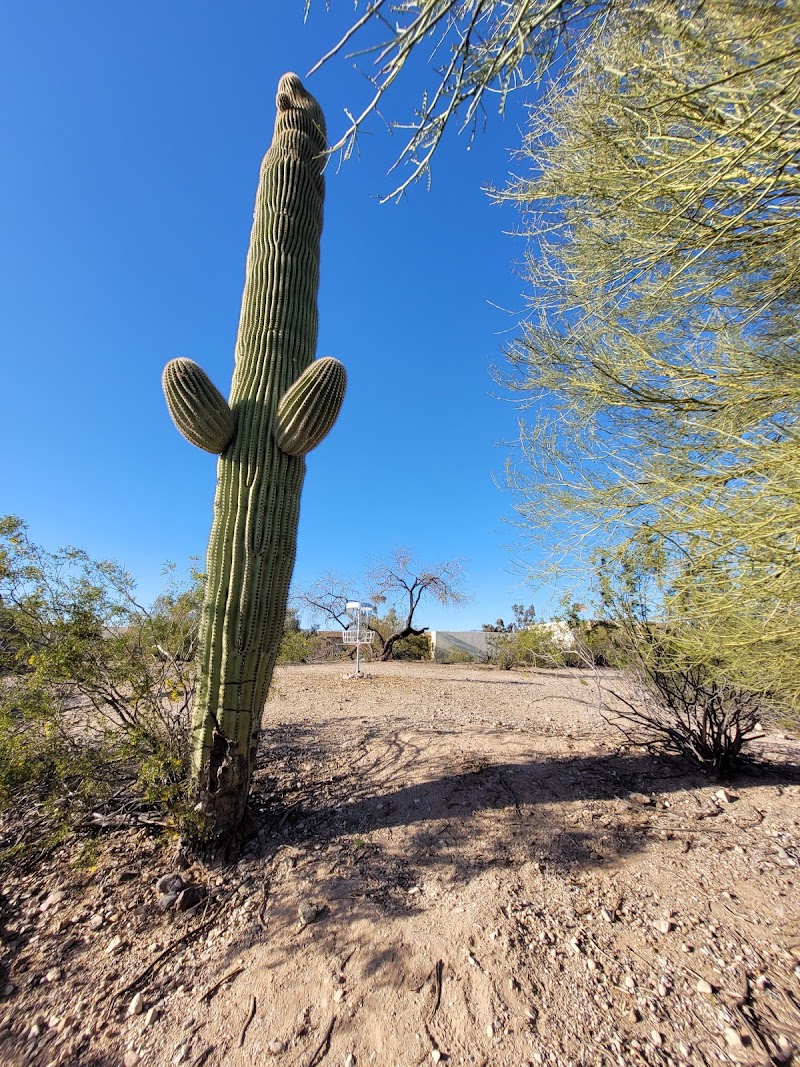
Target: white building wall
(474,642)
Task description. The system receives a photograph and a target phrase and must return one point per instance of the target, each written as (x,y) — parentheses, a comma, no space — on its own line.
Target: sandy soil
(449,864)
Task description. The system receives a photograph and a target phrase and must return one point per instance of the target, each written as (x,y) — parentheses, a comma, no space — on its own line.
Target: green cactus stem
(281,405)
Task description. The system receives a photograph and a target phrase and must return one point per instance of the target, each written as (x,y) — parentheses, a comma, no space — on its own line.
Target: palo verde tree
(400,586)
(482,49)
(661,188)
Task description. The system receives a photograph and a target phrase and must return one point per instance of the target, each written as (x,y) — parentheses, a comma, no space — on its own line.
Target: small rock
(733,1039)
(663,926)
(338,995)
(96,921)
(726,796)
(307,913)
(785,1046)
(190,897)
(489,1030)
(136,1006)
(656,1038)
(275,1048)
(181,1053)
(633,1015)
(349,1060)
(607,916)
(53,898)
(170,883)
(704,987)
(131,1058)
(167,901)
(435,1055)
(640,798)
(629,983)
(114,945)
(53,975)
(152,1015)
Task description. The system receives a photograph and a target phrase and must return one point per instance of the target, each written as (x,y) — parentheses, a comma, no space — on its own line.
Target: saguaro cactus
(281,405)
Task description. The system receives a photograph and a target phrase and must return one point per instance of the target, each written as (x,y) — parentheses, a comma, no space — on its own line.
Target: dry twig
(250,1016)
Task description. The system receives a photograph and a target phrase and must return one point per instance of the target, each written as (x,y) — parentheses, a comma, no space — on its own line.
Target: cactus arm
(197,407)
(308,409)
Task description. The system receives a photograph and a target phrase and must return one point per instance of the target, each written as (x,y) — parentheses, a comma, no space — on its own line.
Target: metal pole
(358,641)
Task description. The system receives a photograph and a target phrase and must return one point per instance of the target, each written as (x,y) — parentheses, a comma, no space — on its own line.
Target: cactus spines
(278,397)
(308,409)
(197,407)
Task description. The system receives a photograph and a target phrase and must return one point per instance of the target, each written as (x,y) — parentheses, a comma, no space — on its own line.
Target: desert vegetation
(529,851)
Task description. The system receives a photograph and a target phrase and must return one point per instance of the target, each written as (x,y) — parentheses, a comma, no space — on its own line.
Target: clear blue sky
(132,136)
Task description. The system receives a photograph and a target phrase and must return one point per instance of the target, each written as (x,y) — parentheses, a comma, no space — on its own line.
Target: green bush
(298,647)
(455,655)
(415,647)
(96,688)
(534,647)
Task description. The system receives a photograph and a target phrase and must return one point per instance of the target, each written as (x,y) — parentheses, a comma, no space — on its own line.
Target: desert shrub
(96,689)
(457,655)
(298,646)
(683,707)
(679,699)
(533,647)
(415,647)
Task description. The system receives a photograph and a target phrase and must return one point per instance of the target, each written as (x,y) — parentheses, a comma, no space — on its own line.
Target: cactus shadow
(385,844)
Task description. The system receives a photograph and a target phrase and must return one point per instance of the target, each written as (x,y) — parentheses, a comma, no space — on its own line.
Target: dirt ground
(448,864)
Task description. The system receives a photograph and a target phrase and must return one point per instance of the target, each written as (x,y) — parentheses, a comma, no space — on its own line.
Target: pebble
(53,898)
(114,946)
(349,1060)
(704,987)
(607,916)
(307,913)
(96,921)
(640,798)
(170,883)
(726,796)
(152,1015)
(489,1030)
(338,995)
(136,1006)
(190,897)
(131,1058)
(733,1039)
(656,1038)
(435,1055)
(275,1048)
(663,926)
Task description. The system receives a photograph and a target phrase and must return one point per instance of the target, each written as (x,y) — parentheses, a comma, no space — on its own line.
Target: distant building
(474,643)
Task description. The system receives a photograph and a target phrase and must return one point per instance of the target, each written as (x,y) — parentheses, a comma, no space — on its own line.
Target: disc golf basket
(358,632)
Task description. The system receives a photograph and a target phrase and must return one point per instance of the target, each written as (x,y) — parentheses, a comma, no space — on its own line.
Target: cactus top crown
(299,124)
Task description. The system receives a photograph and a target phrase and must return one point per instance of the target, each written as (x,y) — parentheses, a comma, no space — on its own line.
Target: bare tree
(399,585)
